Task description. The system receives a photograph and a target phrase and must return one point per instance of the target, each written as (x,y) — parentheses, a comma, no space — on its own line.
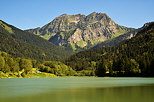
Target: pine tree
(2,63)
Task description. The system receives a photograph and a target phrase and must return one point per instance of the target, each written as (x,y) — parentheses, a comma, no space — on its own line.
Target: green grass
(118,34)
(81,43)
(73,46)
(46,37)
(43,74)
(9,75)
(7,28)
(3,75)
(30,75)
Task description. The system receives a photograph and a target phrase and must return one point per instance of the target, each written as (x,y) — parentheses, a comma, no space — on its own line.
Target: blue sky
(26,14)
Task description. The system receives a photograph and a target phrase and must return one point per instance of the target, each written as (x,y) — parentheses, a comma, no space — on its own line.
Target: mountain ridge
(78,32)
(122,38)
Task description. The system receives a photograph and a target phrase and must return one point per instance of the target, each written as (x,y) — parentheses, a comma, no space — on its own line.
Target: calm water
(77,89)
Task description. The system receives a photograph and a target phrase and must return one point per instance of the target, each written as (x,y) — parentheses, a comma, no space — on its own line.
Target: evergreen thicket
(133,57)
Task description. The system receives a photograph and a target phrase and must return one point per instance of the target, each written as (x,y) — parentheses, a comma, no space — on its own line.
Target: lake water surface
(77,89)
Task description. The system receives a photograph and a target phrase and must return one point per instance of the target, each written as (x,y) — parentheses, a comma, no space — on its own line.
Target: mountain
(23,44)
(121,38)
(78,32)
(134,57)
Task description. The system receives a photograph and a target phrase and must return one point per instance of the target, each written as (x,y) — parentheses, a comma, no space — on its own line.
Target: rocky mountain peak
(78,31)
(98,16)
(148,24)
(63,15)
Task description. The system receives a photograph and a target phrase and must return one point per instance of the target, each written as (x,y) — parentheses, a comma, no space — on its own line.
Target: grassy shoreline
(31,75)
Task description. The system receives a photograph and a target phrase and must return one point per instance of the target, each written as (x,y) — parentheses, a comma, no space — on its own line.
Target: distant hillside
(78,32)
(23,44)
(134,57)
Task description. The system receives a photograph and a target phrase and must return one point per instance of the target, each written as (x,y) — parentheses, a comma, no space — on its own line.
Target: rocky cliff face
(124,37)
(78,32)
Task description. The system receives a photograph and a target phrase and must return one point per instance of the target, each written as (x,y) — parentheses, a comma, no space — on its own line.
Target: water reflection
(71,90)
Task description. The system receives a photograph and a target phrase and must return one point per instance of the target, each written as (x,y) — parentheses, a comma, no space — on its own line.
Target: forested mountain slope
(134,57)
(23,44)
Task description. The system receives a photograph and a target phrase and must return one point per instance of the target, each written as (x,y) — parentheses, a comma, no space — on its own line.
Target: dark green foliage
(101,68)
(27,45)
(26,65)
(9,64)
(57,68)
(13,65)
(21,67)
(133,57)
(2,62)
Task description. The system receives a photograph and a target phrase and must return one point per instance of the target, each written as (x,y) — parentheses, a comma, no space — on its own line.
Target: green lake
(77,89)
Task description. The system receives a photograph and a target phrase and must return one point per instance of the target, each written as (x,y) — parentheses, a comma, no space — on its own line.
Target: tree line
(134,57)
(20,67)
